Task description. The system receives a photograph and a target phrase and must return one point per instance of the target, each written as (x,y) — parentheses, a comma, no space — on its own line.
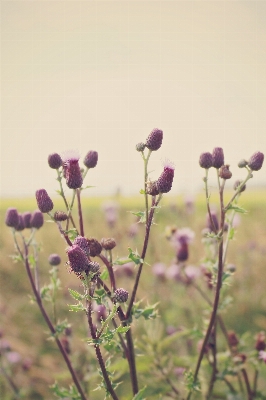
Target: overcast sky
(100,75)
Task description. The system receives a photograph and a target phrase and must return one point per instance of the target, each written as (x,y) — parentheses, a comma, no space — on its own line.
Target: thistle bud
(165,180)
(60,216)
(20,226)
(12,217)
(242,163)
(154,140)
(26,218)
(83,244)
(54,161)
(95,247)
(224,172)
(237,184)
(36,219)
(256,160)
(108,243)
(91,159)
(100,311)
(120,295)
(182,253)
(205,160)
(260,341)
(44,202)
(72,171)
(152,188)
(232,338)
(94,267)
(140,146)
(54,259)
(217,157)
(77,259)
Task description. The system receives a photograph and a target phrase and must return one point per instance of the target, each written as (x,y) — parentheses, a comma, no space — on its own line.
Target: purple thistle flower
(165,180)
(205,160)
(77,258)
(44,202)
(12,217)
(217,157)
(183,235)
(256,160)
(154,140)
(120,295)
(192,272)
(83,244)
(54,259)
(55,161)
(72,170)
(20,226)
(36,219)
(91,159)
(60,216)
(182,253)
(214,219)
(26,218)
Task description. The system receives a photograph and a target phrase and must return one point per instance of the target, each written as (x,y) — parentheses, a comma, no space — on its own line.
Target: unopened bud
(120,295)
(217,157)
(54,259)
(55,161)
(91,159)
(108,243)
(140,146)
(165,180)
(242,163)
(256,160)
(12,217)
(60,216)
(224,172)
(44,202)
(237,184)
(154,140)
(205,160)
(95,247)
(36,219)
(152,188)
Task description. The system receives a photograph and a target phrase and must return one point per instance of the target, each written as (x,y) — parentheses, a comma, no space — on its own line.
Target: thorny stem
(208,201)
(246,380)
(59,178)
(51,327)
(61,230)
(110,271)
(214,363)
(80,214)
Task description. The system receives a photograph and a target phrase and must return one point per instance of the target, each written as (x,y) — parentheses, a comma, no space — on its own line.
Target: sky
(100,75)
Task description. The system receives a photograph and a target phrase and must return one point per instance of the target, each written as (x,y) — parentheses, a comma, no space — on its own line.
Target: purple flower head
(54,259)
(214,219)
(120,295)
(173,272)
(72,171)
(256,160)
(158,270)
(20,226)
(91,159)
(125,270)
(154,140)
(26,218)
(54,161)
(182,252)
(77,259)
(44,202)
(165,180)
(36,219)
(60,216)
(83,244)
(181,236)
(100,311)
(205,160)
(12,217)
(217,157)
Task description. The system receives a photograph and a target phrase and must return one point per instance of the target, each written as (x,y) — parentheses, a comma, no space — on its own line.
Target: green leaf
(104,275)
(231,233)
(135,257)
(237,209)
(122,329)
(76,307)
(16,257)
(31,260)
(142,191)
(140,394)
(76,295)
(190,384)
(149,312)
(72,233)
(63,393)
(141,215)
(120,261)
(61,327)
(86,187)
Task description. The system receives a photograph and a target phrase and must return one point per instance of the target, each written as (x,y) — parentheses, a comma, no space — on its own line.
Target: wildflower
(242,163)
(95,247)
(36,219)
(100,311)
(120,295)
(214,219)
(108,243)
(182,253)
(54,161)
(205,160)
(217,157)
(44,202)
(91,159)
(152,188)
(260,341)
(232,338)
(60,216)
(165,180)
(77,259)
(83,244)
(26,218)
(224,172)
(154,140)
(192,272)
(72,171)
(93,267)
(12,217)
(256,160)
(125,269)
(183,235)
(54,259)
(173,272)
(158,270)
(20,226)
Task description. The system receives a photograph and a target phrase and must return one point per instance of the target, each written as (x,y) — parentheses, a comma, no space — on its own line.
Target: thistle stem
(110,271)
(80,213)
(62,194)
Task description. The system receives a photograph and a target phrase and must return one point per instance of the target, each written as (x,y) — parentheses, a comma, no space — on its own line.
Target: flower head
(154,140)
(205,160)
(120,295)
(44,202)
(217,157)
(83,244)
(91,159)
(165,180)
(181,236)
(21,225)
(54,259)
(26,218)
(36,219)
(72,170)
(77,259)
(54,161)
(256,160)
(12,217)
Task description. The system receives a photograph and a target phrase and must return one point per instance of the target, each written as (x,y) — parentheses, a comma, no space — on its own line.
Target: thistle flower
(165,180)
(108,243)
(205,160)
(224,172)
(260,341)
(214,220)
(158,270)
(60,216)
(232,338)
(217,157)
(54,259)
(72,171)
(91,159)
(152,188)
(242,163)
(173,272)
(120,295)
(256,160)
(20,226)
(77,259)
(12,217)
(95,247)
(100,311)
(154,140)
(93,267)
(26,218)
(44,202)
(55,161)
(36,219)
(83,244)
(181,236)
(182,253)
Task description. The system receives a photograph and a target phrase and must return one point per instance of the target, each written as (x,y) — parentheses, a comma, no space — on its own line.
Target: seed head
(256,160)
(77,259)
(60,216)
(44,202)
(154,140)
(152,188)
(120,295)
(72,171)
(217,157)
(55,161)
(205,160)
(36,219)
(83,244)
(224,172)
(95,247)
(91,159)
(12,217)
(26,218)
(54,259)
(237,184)
(140,146)
(108,243)
(242,163)
(165,180)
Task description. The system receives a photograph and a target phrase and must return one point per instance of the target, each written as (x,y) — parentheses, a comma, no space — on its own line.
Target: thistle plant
(113,313)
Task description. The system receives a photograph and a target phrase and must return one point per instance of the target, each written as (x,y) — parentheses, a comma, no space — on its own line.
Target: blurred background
(100,75)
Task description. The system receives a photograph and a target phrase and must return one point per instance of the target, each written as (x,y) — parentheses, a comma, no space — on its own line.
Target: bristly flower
(36,219)
(20,226)
(26,218)
(44,202)
(181,236)
(260,341)
(154,140)
(120,295)
(54,259)
(91,159)
(77,259)
(205,160)
(152,189)
(256,160)
(60,216)
(12,217)
(217,157)
(72,170)
(55,161)
(83,244)
(165,180)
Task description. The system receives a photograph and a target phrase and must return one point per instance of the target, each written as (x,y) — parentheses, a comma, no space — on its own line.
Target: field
(34,361)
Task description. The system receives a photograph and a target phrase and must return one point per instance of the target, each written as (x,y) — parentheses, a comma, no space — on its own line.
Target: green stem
(146,160)
(62,194)
(109,318)
(208,200)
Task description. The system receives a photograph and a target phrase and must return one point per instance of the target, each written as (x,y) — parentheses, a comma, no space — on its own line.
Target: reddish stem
(80,214)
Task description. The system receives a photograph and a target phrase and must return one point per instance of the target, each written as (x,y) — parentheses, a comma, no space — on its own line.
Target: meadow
(34,361)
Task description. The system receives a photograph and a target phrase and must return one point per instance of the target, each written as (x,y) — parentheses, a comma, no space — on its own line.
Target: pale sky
(100,75)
